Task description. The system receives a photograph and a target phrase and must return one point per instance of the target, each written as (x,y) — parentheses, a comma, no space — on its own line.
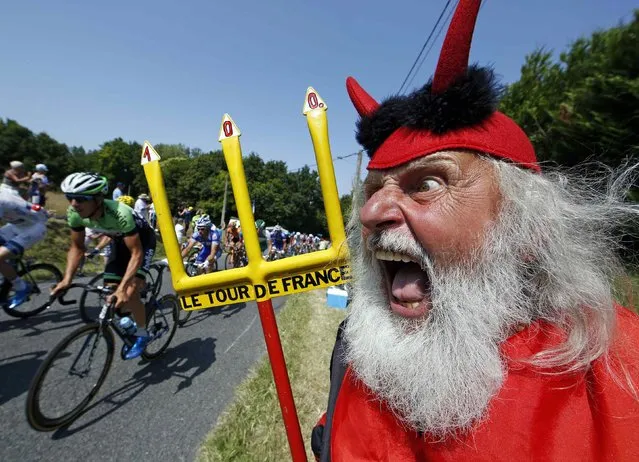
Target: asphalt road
(145,411)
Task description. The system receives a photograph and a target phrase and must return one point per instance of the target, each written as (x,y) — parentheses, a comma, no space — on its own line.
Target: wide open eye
(430,184)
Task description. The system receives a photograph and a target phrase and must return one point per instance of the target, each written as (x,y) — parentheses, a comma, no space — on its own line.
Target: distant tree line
(192,177)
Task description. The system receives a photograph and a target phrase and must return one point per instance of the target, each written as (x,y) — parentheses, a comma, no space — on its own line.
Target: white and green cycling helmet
(85,183)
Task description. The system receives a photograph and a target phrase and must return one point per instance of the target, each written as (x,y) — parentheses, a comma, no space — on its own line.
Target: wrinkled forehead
(454,162)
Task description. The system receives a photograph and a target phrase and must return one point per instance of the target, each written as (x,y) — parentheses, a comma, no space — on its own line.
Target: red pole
(282,384)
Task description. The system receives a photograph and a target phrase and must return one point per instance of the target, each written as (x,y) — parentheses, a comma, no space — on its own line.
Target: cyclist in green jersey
(132,246)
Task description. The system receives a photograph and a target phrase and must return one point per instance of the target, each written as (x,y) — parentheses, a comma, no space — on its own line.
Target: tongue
(409,284)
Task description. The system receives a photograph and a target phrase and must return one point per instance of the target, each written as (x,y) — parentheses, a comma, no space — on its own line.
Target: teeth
(392,256)
(411,305)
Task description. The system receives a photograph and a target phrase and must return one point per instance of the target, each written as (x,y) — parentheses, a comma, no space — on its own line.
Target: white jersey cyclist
(26,224)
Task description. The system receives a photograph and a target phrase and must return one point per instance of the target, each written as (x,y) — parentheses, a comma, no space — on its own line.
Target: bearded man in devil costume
(483,324)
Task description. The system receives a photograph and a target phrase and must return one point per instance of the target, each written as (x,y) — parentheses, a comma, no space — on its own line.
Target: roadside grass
(251,429)
(628,292)
(53,248)
(57,203)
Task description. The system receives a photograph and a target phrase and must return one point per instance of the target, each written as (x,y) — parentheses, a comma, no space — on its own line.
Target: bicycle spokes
(90,344)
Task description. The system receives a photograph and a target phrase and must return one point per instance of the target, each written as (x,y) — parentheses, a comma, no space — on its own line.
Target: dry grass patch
(251,429)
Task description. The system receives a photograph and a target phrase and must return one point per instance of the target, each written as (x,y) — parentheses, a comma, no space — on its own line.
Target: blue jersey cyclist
(276,239)
(209,237)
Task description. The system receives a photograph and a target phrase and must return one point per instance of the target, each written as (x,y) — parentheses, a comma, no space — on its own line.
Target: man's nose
(381,211)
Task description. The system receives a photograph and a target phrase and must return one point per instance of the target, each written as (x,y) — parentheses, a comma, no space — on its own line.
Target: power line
(425,45)
(334,158)
(439,32)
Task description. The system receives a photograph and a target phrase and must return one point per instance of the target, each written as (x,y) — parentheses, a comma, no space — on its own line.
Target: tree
(120,161)
(191,177)
(20,143)
(346,204)
(586,106)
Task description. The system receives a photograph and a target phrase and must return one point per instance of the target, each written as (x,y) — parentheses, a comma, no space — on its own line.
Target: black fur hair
(468,101)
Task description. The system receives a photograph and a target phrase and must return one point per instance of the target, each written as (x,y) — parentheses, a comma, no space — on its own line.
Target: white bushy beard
(437,374)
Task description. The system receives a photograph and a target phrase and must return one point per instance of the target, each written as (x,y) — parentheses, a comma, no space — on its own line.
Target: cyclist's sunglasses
(79,197)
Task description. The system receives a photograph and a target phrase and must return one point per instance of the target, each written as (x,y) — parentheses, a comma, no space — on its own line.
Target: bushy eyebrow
(375,179)
(427,162)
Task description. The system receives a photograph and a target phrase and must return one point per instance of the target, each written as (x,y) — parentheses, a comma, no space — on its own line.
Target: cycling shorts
(205,252)
(119,256)
(20,238)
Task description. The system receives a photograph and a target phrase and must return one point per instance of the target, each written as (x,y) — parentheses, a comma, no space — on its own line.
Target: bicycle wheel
(183,316)
(191,269)
(70,377)
(91,300)
(156,270)
(42,276)
(242,259)
(162,325)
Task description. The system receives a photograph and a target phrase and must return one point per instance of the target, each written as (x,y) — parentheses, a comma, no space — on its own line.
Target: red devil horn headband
(457,109)
(453,59)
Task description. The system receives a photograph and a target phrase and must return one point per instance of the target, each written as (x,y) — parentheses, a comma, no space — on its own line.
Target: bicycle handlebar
(60,295)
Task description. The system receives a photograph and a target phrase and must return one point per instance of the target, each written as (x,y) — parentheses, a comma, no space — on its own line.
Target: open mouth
(407,285)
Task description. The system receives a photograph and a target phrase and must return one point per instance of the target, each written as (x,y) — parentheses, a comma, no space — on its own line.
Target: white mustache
(401,243)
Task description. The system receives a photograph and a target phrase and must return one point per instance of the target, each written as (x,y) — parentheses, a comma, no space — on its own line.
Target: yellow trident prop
(260,280)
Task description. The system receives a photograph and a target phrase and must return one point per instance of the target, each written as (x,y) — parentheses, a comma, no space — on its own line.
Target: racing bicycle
(236,258)
(192,269)
(86,354)
(95,292)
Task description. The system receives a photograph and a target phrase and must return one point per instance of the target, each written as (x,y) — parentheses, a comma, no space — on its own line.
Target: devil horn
(363,102)
(453,59)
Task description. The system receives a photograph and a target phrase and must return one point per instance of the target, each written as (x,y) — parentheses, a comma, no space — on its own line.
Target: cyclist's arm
(104,241)
(13,177)
(188,248)
(214,247)
(74,255)
(134,244)
(269,244)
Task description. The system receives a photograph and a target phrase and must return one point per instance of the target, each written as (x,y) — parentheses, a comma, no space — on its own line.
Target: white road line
(241,335)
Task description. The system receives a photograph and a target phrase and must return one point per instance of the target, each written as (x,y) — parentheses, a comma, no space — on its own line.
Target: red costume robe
(535,417)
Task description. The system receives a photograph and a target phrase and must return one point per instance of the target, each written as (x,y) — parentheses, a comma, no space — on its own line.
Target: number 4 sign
(149,154)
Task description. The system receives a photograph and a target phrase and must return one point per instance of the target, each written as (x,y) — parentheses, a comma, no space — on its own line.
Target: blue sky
(86,72)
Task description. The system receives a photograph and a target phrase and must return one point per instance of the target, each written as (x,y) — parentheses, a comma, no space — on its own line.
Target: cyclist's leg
(216,253)
(8,232)
(114,271)
(202,257)
(135,302)
(24,238)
